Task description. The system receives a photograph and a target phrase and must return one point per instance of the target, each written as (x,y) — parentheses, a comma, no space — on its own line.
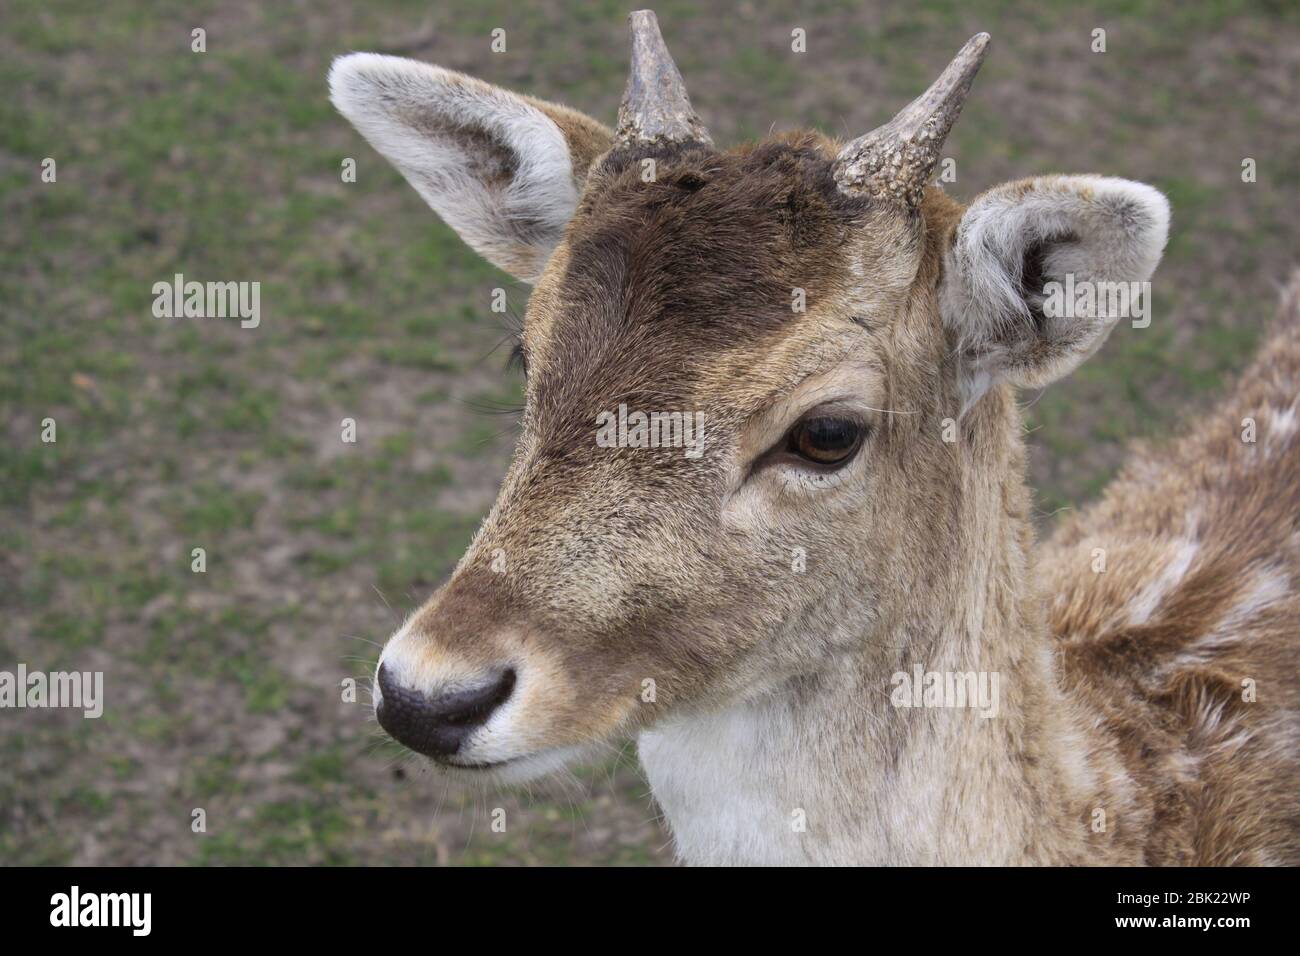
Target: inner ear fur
(504,170)
(1015,239)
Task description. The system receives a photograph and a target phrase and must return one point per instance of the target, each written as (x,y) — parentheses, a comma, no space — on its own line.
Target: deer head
(827,315)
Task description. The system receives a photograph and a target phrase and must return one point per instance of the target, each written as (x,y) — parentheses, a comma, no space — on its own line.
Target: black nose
(437,726)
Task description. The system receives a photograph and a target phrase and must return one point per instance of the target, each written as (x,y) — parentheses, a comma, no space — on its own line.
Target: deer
(780,621)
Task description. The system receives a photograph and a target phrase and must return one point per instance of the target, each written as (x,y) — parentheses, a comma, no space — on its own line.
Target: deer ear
(1033,274)
(503,170)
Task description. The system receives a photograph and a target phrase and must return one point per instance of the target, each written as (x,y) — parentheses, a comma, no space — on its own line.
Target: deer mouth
(478,765)
(524,768)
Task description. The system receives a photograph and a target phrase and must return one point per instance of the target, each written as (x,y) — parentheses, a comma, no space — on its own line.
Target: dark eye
(826,441)
(518,360)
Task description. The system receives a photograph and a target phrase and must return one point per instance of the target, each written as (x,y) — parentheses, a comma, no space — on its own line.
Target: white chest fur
(756,784)
(715,779)
(742,786)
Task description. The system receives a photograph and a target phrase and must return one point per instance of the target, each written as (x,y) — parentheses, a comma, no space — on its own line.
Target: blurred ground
(223,688)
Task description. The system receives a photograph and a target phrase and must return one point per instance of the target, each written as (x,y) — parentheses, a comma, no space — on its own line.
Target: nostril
(438,725)
(385,680)
(473,707)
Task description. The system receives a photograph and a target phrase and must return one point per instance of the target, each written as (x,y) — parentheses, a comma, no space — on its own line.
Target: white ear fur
(490,163)
(1091,228)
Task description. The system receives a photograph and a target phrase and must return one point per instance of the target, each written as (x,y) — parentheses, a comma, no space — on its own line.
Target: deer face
(742,372)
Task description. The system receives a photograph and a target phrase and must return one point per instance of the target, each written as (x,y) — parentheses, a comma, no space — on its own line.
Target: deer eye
(826,440)
(518,359)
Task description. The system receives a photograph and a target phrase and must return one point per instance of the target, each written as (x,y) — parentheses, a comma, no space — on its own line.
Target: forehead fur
(656,278)
(717,237)
(709,251)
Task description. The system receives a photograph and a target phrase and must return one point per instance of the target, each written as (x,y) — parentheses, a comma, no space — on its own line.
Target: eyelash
(795,478)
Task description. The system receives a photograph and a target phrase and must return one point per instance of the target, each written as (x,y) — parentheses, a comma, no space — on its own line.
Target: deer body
(858,513)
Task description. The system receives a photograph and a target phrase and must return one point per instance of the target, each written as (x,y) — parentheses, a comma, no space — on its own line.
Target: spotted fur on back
(1196,608)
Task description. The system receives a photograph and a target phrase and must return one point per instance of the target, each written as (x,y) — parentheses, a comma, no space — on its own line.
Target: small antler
(894,162)
(655,107)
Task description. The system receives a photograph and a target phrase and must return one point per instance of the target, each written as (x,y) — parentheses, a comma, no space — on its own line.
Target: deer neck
(844,767)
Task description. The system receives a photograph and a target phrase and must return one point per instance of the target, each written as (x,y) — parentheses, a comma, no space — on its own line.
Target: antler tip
(974,49)
(894,162)
(655,107)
